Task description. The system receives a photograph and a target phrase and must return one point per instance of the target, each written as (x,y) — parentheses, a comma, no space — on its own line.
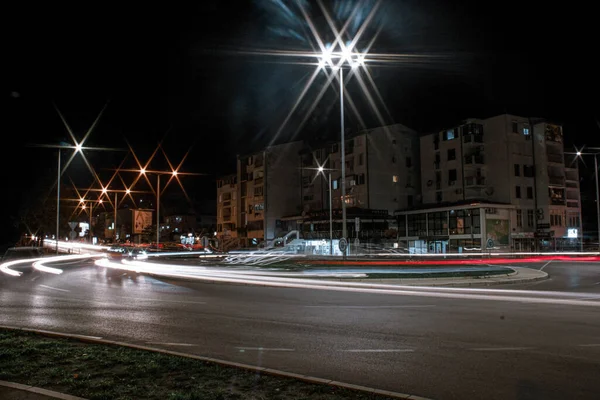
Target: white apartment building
(382,171)
(227,195)
(513,170)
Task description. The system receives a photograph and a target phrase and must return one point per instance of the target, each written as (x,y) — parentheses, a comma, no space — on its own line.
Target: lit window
(526,131)
(450,134)
(335,184)
(395,178)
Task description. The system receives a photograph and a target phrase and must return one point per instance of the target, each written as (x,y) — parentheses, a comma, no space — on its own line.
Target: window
(517,170)
(451,175)
(465,221)
(409,200)
(529,192)
(438,223)
(530,218)
(526,130)
(417,224)
(518,192)
(451,154)
(515,127)
(438,197)
(450,135)
(393,160)
(258,191)
(360,179)
(528,171)
(335,184)
(408,162)
(395,178)
(361,159)
(519,218)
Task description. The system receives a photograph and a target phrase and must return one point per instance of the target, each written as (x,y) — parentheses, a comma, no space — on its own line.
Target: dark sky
(180,70)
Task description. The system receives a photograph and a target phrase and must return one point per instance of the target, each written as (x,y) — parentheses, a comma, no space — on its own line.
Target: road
(468,344)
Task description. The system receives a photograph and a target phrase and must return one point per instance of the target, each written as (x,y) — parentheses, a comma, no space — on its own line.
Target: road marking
(173,344)
(263,349)
(167,301)
(589,345)
(597,283)
(545,265)
(34,278)
(406,306)
(379,351)
(502,348)
(53,288)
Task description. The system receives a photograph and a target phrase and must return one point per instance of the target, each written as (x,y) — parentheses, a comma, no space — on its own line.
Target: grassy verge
(99,372)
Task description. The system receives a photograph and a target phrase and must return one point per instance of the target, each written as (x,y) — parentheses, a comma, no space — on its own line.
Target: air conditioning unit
(352,182)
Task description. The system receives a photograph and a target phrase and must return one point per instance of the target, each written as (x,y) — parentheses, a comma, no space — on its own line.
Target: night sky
(181,73)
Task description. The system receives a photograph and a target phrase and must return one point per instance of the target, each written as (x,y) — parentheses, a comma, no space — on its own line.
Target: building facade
(515,161)
(227,195)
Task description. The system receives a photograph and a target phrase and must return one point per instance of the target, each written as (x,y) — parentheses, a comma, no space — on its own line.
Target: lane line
(545,265)
(163,300)
(173,344)
(53,288)
(34,278)
(370,307)
(589,345)
(264,349)
(379,351)
(502,348)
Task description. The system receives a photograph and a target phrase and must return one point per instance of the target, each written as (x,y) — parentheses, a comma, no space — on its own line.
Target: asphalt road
(471,344)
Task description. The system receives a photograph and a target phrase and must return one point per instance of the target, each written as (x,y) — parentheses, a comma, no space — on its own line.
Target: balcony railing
(557,201)
(473,138)
(556,180)
(555,158)
(475,181)
(474,159)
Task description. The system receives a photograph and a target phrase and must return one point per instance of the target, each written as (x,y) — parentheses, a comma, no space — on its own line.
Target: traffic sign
(490,243)
(343,245)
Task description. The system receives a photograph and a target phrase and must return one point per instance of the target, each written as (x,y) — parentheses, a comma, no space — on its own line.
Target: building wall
(282,183)
(227,206)
(516,160)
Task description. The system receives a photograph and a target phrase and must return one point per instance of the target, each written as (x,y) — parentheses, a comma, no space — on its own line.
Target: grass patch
(105,372)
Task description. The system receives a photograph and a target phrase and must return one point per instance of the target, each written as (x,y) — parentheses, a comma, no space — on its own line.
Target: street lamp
(580,154)
(83,202)
(321,171)
(337,61)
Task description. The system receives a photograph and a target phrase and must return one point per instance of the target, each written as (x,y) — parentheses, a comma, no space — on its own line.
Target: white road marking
(173,344)
(53,288)
(379,351)
(163,300)
(34,278)
(405,306)
(263,349)
(597,283)
(589,345)
(545,265)
(502,348)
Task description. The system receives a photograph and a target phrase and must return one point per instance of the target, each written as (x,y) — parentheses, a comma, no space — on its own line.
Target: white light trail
(5,267)
(41,266)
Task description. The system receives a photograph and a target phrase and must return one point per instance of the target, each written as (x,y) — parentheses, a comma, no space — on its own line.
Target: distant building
(511,172)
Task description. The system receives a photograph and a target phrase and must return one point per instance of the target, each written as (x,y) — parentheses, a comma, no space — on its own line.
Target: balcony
(555,159)
(473,138)
(474,181)
(571,185)
(476,159)
(557,201)
(556,180)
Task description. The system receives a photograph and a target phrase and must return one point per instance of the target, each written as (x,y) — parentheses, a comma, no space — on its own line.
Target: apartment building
(382,171)
(265,187)
(510,168)
(227,195)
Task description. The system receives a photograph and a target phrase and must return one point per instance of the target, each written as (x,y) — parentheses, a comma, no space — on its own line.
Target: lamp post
(595,154)
(344,57)
(91,211)
(321,169)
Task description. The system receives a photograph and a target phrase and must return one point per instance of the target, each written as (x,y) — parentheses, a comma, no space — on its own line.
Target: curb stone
(45,392)
(225,363)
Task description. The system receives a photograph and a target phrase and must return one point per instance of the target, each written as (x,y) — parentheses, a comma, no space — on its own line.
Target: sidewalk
(17,391)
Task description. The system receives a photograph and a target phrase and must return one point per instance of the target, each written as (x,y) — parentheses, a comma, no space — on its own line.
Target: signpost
(343,245)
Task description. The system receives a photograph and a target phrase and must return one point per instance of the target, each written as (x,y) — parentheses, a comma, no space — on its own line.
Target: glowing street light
(595,153)
(321,172)
(344,57)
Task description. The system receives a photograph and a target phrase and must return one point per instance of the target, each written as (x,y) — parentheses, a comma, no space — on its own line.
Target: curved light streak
(5,267)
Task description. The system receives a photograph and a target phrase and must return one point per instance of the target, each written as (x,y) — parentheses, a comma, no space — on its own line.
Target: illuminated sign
(572,232)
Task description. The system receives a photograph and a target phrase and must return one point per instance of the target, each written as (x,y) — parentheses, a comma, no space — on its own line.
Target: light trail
(41,266)
(5,267)
(175,271)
